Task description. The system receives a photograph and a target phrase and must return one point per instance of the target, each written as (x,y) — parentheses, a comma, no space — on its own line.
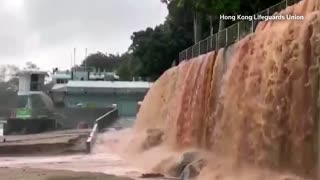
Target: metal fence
(231,34)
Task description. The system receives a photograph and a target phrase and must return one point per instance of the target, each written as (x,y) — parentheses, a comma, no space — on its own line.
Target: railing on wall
(231,34)
(107,119)
(101,123)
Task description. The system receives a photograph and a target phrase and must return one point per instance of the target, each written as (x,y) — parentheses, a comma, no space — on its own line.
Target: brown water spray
(259,107)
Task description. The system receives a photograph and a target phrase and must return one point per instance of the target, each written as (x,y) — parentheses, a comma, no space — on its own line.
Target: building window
(34,82)
(62,81)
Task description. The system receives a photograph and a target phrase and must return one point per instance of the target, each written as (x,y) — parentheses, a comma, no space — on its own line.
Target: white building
(31,80)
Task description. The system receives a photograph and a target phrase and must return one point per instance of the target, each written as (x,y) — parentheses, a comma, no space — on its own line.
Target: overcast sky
(46,31)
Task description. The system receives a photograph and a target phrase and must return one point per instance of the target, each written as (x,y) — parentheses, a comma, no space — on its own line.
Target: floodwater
(253,109)
(104,159)
(253,103)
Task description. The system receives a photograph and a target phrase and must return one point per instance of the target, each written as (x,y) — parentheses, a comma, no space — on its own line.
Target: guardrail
(107,119)
(92,138)
(231,34)
(3,122)
(101,123)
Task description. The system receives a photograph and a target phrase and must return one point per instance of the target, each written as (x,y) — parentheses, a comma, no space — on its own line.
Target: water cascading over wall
(255,103)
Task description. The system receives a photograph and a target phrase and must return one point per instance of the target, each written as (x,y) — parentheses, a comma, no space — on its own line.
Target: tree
(197,15)
(8,72)
(149,47)
(255,6)
(128,67)
(155,49)
(9,80)
(213,8)
(99,60)
(3,72)
(31,66)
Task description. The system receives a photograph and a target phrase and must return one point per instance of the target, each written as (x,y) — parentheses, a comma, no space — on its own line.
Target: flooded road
(105,158)
(103,163)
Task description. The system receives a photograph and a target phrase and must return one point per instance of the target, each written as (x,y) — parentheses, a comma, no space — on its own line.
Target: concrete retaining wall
(29,126)
(71,117)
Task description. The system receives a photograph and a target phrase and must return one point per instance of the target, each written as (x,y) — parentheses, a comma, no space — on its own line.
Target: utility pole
(85,58)
(71,61)
(74,56)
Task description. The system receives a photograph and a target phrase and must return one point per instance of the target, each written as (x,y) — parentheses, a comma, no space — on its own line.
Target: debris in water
(152,175)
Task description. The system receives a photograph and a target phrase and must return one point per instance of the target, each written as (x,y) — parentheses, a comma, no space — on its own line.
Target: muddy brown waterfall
(254,102)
